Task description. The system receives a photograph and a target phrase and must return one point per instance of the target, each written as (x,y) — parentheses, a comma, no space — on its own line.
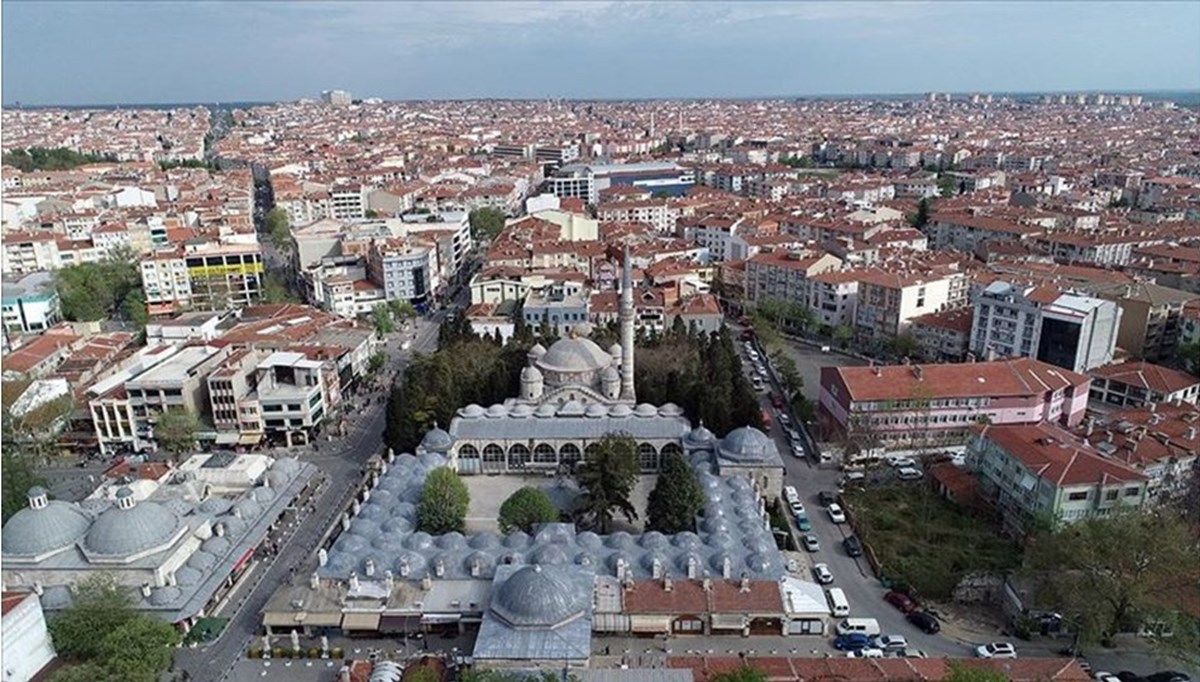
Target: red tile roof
(1058,456)
(1146,375)
(1013,377)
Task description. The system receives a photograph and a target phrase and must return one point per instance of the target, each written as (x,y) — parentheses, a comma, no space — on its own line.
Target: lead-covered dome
(746,444)
(129,527)
(537,597)
(44,526)
(574,355)
(437,440)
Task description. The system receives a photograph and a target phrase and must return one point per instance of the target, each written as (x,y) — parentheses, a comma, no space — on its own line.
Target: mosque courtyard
(489,492)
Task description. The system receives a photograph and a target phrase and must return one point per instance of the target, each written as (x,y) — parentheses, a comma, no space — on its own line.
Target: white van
(837,602)
(867,626)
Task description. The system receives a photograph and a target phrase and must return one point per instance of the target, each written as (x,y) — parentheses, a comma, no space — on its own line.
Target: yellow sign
(232,269)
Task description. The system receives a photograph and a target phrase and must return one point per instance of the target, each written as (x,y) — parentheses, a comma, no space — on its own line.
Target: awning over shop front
(650,623)
(726,621)
(249,438)
(278,619)
(440,618)
(360,621)
(328,619)
(227,438)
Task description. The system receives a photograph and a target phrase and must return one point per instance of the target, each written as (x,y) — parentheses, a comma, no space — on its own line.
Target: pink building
(901,405)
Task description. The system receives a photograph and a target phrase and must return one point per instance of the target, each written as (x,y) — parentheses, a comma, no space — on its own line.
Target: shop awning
(227,437)
(440,618)
(725,621)
(650,623)
(360,621)
(249,438)
(280,618)
(329,619)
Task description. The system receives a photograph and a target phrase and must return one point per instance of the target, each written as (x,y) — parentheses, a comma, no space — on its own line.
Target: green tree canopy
(921,217)
(99,605)
(947,186)
(139,649)
(745,673)
(525,509)
(382,318)
(60,158)
(965,672)
(1111,574)
(676,499)
(279,228)
(275,290)
(19,475)
(606,480)
(486,222)
(104,290)
(444,502)
(175,431)
(904,345)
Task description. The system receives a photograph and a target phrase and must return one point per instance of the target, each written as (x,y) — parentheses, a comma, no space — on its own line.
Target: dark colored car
(777,401)
(901,601)
(853,546)
(826,498)
(924,622)
(1128,676)
(851,642)
(1168,676)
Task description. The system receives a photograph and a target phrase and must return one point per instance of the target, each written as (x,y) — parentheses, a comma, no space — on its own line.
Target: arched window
(493,458)
(648,456)
(671,449)
(468,459)
(569,454)
(518,456)
(544,454)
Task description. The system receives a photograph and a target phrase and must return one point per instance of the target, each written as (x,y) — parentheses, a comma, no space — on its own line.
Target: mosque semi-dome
(746,444)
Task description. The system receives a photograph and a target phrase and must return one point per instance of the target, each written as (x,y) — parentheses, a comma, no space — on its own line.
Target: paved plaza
(489,492)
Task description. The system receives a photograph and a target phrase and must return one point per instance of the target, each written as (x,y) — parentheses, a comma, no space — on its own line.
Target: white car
(791,494)
(1105,677)
(996,650)
(909,653)
(889,642)
(797,507)
(866,653)
(798,452)
(836,514)
(811,543)
(822,574)
(909,474)
(901,461)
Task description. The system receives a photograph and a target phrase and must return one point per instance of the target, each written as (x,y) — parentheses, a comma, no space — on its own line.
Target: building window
(544,454)
(648,455)
(1132,492)
(518,456)
(1077,497)
(569,454)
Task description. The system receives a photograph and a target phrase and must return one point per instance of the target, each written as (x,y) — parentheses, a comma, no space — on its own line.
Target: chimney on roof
(707,584)
(1153,407)
(916,370)
(1091,426)
(667,583)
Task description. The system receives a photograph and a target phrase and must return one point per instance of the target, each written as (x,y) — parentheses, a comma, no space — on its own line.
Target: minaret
(627,329)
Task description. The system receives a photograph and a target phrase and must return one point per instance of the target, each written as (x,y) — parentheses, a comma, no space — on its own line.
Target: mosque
(537,599)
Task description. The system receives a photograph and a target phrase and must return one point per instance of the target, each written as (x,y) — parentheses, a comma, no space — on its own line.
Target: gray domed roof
(535,596)
(596,411)
(531,374)
(574,355)
(33,532)
(610,373)
(287,465)
(620,410)
(645,410)
(122,532)
(571,408)
(544,411)
(615,350)
(165,595)
(215,505)
(520,411)
(216,545)
(471,411)
(670,410)
(495,411)
(537,351)
(700,436)
(437,440)
(186,575)
(746,444)
(201,560)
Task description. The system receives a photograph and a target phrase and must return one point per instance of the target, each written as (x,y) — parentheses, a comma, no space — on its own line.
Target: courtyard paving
(488,492)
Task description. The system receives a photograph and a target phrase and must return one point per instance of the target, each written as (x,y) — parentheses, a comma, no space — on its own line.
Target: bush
(277,652)
(337,652)
(254,652)
(314,652)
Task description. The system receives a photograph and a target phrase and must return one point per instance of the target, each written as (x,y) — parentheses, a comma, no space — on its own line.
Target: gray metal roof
(34,532)
(529,639)
(732,529)
(574,355)
(124,532)
(512,423)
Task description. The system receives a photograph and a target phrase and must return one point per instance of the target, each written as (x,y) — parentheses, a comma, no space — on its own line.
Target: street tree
(676,499)
(486,223)
(606,478)
(525,509)
(947,186)
(745,673)
(19,476)
(401,310)
(1114,573)
(175,431)
(382,318)
(961,672)
(921,217)
(139,649)
(444,502)
(279,228)
(904,345)
(842,334)
(99,605)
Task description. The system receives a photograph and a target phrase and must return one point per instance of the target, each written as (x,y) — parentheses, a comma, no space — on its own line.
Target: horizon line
(826,96)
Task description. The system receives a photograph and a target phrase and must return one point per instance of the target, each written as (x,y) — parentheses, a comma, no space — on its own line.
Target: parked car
(901,601)
(925,622)
(901,461)
(909,474)
(822,574)
(910,653)
(777,401)
(797,451)
(797,507)
(888,642)
(996,650)
(826,498)
(811,543)
(866,653)
(791,494)
(1129,676)
(802,523)
(1168,676)
(851,642)
(852,546)
(836,514)
(1101,676)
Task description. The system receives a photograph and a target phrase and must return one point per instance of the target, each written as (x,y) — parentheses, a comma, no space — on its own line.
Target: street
(341,461)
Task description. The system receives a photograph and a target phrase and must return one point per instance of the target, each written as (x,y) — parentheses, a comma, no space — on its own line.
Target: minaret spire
(626,318)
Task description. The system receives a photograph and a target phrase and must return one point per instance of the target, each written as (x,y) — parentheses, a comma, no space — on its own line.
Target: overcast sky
(147,52)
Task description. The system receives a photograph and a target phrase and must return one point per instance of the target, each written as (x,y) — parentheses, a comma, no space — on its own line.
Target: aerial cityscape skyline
(612,50)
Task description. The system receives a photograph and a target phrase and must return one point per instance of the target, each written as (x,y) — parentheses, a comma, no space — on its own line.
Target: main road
(341,465)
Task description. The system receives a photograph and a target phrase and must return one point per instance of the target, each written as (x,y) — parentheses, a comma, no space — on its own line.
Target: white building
(27,645)
(1072,331)
(31,305)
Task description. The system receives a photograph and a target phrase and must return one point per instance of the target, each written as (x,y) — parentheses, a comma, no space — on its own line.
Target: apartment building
(290,395)
(206,276)
(720,235)
(587,181)
(1069,330)
(921,404)
(1092,249)
(30,304)
(348,202)
(786,276)
(26,252)
(1151,317)
(1160,441)
(406,270)
(1135,384)
(236,417)
(833,297)
(888,301)
(944,336)
(650,211)
(558,307)
(965,232)
(1034,471)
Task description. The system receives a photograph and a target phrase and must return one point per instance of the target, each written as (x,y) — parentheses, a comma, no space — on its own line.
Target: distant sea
(1188,98)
